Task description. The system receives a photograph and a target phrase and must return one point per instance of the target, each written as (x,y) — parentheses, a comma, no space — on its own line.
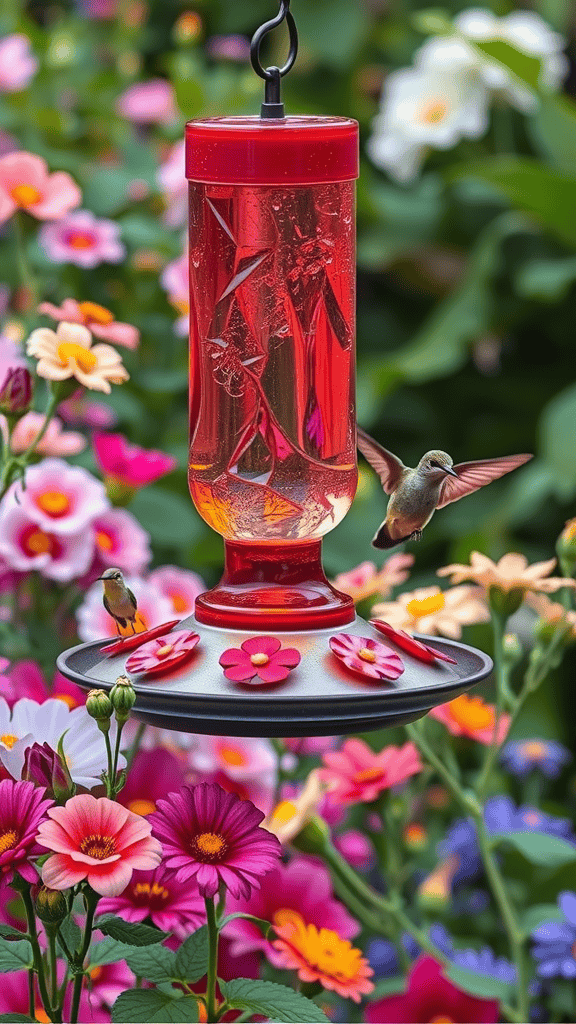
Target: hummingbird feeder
(272,462)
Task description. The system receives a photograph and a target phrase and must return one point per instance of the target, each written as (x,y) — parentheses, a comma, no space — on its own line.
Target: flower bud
(313,837)
(123,698)
(505,602)
(511,649)
(16,392)
(566,548)
(99,706)
(51,905)
(45,767)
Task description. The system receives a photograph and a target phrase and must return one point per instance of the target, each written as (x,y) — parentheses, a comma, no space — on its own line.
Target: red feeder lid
(285,151)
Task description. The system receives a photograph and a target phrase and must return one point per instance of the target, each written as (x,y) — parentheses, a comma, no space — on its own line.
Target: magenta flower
(366,656)
(83,239)
(25,545)
(431,996)
(99,321)
(17,64)
(163,653)
(128,463)
(355,774)
(214,837)
(22,809)
(153,773)
(60,498)
(407,643)
(158,895)
(148,102)
(260,658)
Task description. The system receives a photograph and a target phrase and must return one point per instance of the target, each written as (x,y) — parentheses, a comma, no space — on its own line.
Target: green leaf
(276,1002)
(109,951)
(558,439)
(155,963)
(16,1018)
(192,957)
(388,987)
(523,67)
(131,934)
(482,985)
(264,925)
(546,280)
(152,1007)
(553,129)
(158,511)
(538,848)
(14,956)
(9,933)
(536,916)
(71,934)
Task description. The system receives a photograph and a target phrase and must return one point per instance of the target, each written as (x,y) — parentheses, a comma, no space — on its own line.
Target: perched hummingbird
(417,493)
(118,600)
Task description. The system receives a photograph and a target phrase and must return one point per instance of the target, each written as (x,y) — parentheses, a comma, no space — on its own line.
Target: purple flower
(83,239)
(383,958)
(43,767)
(556,942)
(501,815)
(461,842)
(16,391)
(484,961)
(520,757)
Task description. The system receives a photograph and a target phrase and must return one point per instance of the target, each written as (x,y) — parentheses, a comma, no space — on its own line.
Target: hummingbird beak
(452,472)
(99,578)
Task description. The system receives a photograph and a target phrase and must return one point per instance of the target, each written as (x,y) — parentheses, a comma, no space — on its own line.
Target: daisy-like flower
(61,498)
(68,352)
(129,464)
(17,63)
(520,757)
(159,896)
(512,572)
(22,810)
(552,615)
(153,773)
(162,654)
(97,319)
(366,580)
(472,717)
(407,643)
(431,610)
(171,178)
(241,758)
(55,441)
(556,940)
(214,836)
(98,840)
(321,955)
(366,656)
(355,774)
(83,239)
(25,184)
(27,546)
(261,658)
(180,586)
(120,541)
(149,102)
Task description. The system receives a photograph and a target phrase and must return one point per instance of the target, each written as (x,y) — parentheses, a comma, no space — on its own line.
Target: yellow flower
(512,572)
(290,816)
(68,352)
(319,954)
(431,610)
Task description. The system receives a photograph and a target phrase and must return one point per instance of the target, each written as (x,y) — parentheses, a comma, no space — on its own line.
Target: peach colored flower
(321,955)
(431,610)
(25,184)
(474,718)
(290,816)
(55,440)
(366,580)
(512,572)
(99,321)
(99,840)
(552,613)
(68,352)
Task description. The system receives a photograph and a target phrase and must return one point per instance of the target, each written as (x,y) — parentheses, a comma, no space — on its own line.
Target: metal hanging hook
(272,105)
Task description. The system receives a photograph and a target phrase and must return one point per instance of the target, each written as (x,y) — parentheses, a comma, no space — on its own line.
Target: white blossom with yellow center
(68,352)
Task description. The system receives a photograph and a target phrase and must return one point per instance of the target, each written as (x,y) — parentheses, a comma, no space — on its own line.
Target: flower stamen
(83,357)
(98,846)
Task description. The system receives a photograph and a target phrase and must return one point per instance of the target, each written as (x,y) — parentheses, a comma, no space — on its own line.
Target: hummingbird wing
(388,466)
(116,618)
(473,475)
(132,598)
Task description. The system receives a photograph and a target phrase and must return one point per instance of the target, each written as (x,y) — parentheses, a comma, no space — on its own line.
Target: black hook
(273,106)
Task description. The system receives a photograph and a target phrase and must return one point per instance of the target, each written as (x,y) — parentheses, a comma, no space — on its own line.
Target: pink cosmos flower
(83,239)
(303,885)
(366,580)
(162,654)
(180,586)
(229,47)
(171,178)
(355,774)
(99,840)
(94,623)
(407,643)
(150,102)
(174,280)
(25,545)
(472,717)
(17,64)
(82,410)
(153,773)
(431,996)
(25,184)
(23,679)
(22,811)
(241,758)
(55,441)
(99,321)
(214,836)
(171,906)
(366,656)
(356,849)
(128,463)
(121,541)
(61,499)
(261,658)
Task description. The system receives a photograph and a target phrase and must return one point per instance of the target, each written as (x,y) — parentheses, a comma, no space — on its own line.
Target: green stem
(109,776)
(211,1010)
(467,801)
(53,965)
(31,997)
(36,952)
(26,275)
(48,414)
(133,750)
(502,673)
(90,902)
(115,764)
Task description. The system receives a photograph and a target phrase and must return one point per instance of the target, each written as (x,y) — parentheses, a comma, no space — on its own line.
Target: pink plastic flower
(99,840)
(174,280)
(83,239)
(171,178)
(17,64)
(474,718)
(355,774)
(94,623)
(158,895)
(262,658)
(148,102)
(128,463)
(22,810)
(60,498)
(25,184)
(366,656)
(407,643)
(214,837)
(55,441)
(121,541)
(180,586)
(162,654)
(99,321)
(131,642)
(25,545)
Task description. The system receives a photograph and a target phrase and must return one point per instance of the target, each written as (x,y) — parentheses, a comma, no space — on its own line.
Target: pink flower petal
(261,645)
(419,650)
(387,663)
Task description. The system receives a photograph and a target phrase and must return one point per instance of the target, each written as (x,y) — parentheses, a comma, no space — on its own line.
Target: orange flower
(472,717)
(321,955)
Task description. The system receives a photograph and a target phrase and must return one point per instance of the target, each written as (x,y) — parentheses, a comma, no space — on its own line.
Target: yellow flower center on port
(8,840)
(98,314)
(209,845)
(234,757)
(426,605)
(366,654)
(25,195)
(38,543)
(142,807)
(259,659)
(433,112)
(471,712)
(8,740)
(163,652)
(98,846)
(154,890)
(54,503)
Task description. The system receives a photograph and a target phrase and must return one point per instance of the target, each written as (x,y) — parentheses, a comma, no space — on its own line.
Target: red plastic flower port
(367,657)
(259,661)
(163,653)
(407,643)
(129,643)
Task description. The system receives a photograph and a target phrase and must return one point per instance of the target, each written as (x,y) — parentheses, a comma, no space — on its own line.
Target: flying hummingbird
(118,600)
(417,493)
